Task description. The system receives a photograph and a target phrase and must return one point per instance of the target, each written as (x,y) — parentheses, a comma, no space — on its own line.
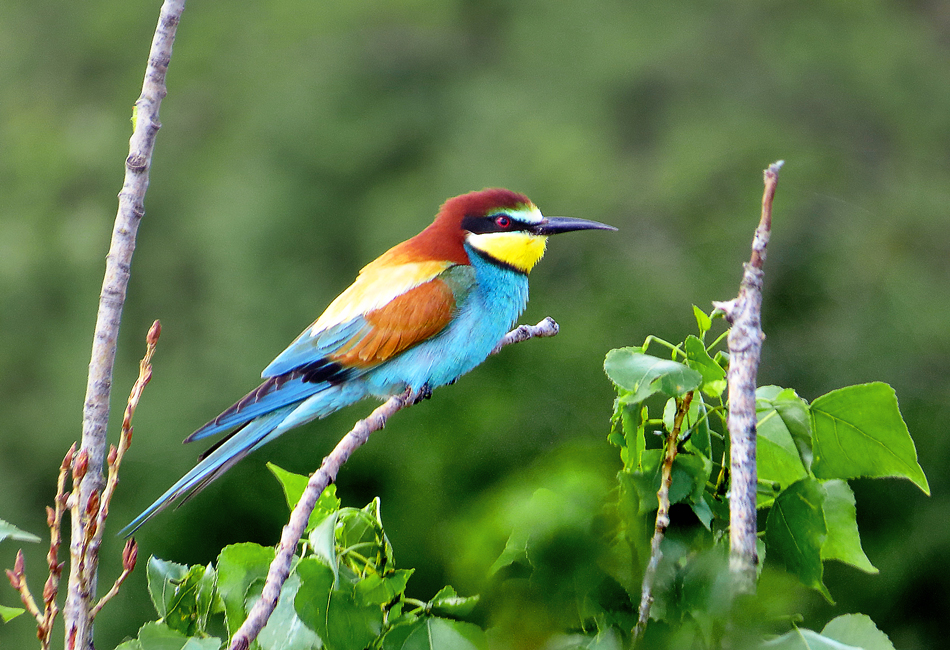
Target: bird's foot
(424,393)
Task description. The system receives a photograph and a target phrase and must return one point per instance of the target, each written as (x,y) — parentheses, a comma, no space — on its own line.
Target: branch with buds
(82,575)
(280,568)
(93,516)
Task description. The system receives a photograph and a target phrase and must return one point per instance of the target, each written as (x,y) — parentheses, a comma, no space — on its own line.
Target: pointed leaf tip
(858,431)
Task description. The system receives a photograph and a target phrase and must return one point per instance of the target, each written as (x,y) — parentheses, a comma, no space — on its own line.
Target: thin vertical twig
(83,568)
(662,515)
(745,348)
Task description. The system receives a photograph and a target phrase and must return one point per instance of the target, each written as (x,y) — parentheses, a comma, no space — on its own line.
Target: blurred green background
(302,139)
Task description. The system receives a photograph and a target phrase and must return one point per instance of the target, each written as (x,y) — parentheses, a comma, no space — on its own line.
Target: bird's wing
(332,350)
(388,309)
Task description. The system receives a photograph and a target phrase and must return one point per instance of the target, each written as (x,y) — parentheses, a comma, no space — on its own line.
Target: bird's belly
(484,316)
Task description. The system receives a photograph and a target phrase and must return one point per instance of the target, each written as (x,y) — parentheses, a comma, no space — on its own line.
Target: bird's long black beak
(555,225)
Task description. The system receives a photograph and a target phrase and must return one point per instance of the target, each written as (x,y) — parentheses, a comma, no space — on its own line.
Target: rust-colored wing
(410,318)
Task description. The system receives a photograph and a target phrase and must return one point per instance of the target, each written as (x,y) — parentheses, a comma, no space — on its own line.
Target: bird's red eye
(503,221)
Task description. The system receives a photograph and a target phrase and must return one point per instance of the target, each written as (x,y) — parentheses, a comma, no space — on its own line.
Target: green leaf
(382,590)
(606,639)
(703,322)
(631,547)
(857,630)
(689,479)
(669,414)
(239,565)
(433,633)
(802,639)
(9,530)
(337,615)
(317,582)
(795,532)
(158,636)
(163,580)
(794,413)
(859,431)
(777,457)
(363,529)
(323,542)
(10,613)
(843,542)
(294,486)
(191,599)
(714,377)
(703,512)
(284,629)
(446,601)
(632,440)
(700,441)
(642,375)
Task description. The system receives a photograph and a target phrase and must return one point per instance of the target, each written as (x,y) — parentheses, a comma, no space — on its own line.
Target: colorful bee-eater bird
(421,315)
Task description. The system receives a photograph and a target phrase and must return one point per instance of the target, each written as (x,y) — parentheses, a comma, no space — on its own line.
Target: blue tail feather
(283,408)
(273,394)
(221,459)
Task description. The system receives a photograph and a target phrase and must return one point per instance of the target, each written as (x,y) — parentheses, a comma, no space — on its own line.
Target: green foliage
(806,454)
(859,431)
(183,596)
(9,531)
(570,571)
(10,613)
(343,593)
(158,636)
(842,633)
(276,180)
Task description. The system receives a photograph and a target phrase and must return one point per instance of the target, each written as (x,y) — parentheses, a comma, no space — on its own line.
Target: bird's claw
(424,393)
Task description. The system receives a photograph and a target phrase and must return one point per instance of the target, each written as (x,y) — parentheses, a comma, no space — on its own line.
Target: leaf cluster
(344,592)
(806,454)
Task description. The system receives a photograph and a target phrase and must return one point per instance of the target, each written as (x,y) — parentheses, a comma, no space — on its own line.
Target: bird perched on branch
(421,315)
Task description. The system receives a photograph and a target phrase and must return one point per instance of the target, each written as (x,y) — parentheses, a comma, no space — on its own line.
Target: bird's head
(504,226)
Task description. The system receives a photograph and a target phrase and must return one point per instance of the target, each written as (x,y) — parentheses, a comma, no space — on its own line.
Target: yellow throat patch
(521,250)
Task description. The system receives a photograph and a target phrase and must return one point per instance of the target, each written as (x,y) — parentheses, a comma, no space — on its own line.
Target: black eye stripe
(479,223)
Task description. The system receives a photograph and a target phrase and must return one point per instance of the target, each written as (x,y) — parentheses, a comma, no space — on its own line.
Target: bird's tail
(255,429)
(215,462)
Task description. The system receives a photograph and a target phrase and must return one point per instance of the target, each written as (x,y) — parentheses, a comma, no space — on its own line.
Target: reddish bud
(130,554)
(49,591)
(113,454)
(92,506)
(50,517)
(81,465)
(153,333)
(14,579)
(68,460)
(19,565)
